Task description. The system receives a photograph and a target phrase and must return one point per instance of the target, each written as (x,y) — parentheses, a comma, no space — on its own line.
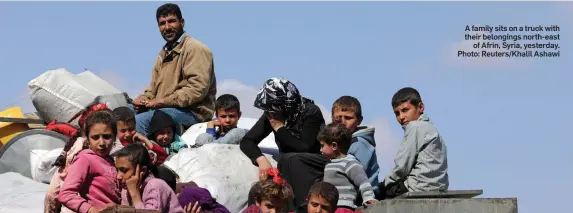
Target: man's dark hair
(348,103)
(325,191)
(168,9)
(336,132)
(227,102)
(406,94)
(124,114)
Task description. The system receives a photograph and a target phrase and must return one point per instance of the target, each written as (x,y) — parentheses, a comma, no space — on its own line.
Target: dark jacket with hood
(300,137)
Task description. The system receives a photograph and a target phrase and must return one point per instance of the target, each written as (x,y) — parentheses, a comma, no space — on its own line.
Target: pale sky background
(506,122)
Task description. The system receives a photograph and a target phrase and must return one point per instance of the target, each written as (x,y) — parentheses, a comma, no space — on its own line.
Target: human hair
(124,114)
(348,103)
(168,9)
(227,102)
(61,160)
(406,94)
(101,117)
(273,188)
(137,154)
(325,191)
(336,132)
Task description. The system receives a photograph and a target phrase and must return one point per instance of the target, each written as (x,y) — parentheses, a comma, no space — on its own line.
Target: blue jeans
(181,117)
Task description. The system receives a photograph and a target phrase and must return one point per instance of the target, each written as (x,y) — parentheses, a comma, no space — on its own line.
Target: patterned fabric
(252,209)
(280,95)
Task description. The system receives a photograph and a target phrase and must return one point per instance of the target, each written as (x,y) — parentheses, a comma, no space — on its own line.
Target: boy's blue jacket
(363,149)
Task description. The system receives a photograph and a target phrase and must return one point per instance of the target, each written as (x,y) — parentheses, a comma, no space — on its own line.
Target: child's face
(275,206)
(317,204)
(101,139)
(125,169)
(164,136)
(228,118)
(406,112)
(328,150)
(126,131)
(347,117)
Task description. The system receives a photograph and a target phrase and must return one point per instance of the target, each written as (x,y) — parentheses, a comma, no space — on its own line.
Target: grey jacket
(234,136)
(422,158)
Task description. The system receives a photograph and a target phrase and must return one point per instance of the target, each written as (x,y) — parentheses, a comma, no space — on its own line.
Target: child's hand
(213,124)
(369,202)
(134,181)
(140,137)
(190,208)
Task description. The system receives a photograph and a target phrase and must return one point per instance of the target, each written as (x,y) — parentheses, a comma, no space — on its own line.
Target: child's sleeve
(153,196)
(69,193)
(406,156)
(232,137)
(161,153)
(204,138)
(357,175)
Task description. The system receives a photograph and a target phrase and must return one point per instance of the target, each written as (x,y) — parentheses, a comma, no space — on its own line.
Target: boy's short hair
(325,191)
(124,114)
(227,102)
(348,103)
(406,94)
(336,132)
(168,9)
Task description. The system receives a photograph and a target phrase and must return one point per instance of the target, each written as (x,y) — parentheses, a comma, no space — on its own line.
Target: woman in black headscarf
(295,122)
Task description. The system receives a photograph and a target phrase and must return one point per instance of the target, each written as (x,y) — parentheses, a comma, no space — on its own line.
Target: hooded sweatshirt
(162,120)
(421,161)
(155,195)
(91,182)
(363,149)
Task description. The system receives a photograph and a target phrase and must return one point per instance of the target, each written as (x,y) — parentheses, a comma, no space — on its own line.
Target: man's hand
(139,103)
(264,166)
(155,103)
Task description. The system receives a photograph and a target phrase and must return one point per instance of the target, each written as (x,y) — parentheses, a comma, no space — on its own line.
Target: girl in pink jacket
(91,183)
(140,188)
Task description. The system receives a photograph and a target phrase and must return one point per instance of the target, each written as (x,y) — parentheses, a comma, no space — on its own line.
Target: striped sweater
(349,177)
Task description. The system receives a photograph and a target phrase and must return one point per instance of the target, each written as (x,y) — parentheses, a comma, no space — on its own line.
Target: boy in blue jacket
(347,110)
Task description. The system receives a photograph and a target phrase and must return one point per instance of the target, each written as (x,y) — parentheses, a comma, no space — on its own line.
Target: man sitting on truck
(183,82)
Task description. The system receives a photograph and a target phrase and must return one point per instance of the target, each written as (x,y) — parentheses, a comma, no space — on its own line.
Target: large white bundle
(222,169)
(59,95)
(268,145)
(20,194)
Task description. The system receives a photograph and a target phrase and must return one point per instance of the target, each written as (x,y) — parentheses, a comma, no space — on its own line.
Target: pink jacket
(155,195)
(51,204)
(91,182)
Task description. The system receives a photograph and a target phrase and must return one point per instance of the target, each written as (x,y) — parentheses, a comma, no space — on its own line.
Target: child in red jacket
(127,135)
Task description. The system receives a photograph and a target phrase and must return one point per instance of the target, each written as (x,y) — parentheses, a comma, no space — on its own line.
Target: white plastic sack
(222,169)
(41,162)
(59,94)
(268,145)
(20,194)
